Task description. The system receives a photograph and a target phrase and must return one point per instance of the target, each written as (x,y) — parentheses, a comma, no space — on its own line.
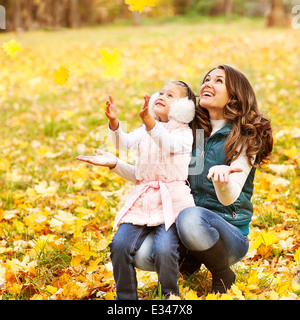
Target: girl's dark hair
(190,93)
(249,127)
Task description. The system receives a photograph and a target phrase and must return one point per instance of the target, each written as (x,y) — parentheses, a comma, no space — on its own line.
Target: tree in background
(277,16)
(55,14)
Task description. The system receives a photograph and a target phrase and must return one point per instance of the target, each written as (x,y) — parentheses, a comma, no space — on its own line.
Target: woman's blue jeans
(199,229)
(163,255)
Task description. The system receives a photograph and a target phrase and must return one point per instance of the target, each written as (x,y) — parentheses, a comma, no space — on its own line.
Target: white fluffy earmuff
(182,110)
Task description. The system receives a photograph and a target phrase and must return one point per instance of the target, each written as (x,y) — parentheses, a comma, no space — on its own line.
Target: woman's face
(213,94)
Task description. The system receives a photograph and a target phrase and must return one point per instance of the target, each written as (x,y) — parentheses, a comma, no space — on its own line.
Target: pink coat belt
(166,199)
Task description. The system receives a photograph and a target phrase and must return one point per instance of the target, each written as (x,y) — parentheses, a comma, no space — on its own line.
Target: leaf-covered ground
(56,214)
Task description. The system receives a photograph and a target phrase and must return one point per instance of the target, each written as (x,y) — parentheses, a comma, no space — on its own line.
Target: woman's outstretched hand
(221,173)
(104,159)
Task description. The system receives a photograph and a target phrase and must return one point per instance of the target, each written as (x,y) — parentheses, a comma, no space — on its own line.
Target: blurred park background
(59,61)
(33,14)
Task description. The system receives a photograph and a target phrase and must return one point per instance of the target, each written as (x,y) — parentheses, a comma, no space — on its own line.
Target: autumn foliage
(56,214)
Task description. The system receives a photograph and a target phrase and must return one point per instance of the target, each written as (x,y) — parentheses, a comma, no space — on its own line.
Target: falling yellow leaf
(12,47)
(110,62)
(139,5)
(61,75)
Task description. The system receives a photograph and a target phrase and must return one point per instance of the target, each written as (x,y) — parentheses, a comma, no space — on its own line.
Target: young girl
(164,145)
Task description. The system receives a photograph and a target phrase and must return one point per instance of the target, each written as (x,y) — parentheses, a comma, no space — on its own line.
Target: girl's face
(213,94)
(168,94)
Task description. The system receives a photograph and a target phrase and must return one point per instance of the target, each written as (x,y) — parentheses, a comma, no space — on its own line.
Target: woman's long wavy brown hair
(249,127)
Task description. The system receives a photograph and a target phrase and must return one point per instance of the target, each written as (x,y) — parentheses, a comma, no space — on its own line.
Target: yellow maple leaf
(26,266)
(61,75)
(42,243)
(75,262)
(15,288)
(109,296)
(83,249)
(81,172)
(265,237)
(226,296)
(111,61)
(191,295)
(75,290)
(51,289)
(211,296)
(46,190)
(4,164)
(237,292)
(12,47)
(79,184)
(297,255)
(93,265)
(139,5)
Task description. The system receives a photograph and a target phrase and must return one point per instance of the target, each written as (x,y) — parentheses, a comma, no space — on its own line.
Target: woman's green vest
(238,213)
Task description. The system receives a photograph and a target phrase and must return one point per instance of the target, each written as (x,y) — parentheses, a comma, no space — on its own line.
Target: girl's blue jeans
(163,255)
(199,229)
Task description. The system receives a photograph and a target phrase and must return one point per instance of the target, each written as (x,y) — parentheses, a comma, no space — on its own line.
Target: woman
(237,139)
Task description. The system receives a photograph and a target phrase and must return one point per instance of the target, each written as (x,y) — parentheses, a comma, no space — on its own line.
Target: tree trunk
(136,17)
(17,15)
(228,10)
(29,15)
(277,17)
(74,14)
(59,12)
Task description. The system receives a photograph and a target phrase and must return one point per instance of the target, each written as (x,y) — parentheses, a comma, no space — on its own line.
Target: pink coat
(161,191)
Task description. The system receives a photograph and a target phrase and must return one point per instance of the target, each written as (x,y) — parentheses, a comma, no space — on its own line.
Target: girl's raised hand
(144,112)
(146,117)
(221,173)
(111,113)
